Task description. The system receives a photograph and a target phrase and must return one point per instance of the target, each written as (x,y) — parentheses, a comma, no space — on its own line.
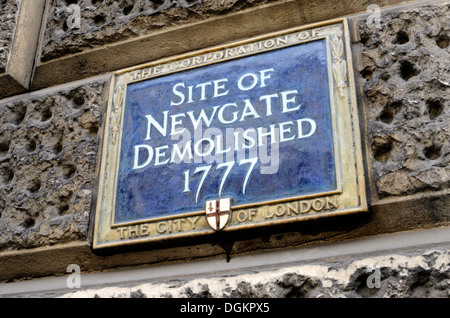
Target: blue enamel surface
(306,165)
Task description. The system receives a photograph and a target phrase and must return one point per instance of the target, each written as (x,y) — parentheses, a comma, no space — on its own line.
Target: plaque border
(350,179)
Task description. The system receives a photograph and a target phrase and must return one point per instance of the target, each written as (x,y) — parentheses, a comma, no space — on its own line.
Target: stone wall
(406,67)
(49,147)
(392,276)
(108,21)
(51,137)
(8,18)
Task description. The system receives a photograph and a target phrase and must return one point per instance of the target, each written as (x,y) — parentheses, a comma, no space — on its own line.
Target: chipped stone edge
(354,253)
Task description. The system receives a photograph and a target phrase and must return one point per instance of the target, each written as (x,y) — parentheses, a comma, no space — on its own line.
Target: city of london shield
(218,213)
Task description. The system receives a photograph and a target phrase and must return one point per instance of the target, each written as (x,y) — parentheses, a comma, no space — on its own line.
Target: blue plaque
(261,123)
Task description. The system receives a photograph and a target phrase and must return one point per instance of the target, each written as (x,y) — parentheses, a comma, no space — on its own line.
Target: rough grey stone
(406,67)
(48,153)
(108,21)
(8,18)
(392,275)
(49,144)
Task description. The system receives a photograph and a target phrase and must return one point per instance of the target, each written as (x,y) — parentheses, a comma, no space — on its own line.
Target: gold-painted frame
(349,197)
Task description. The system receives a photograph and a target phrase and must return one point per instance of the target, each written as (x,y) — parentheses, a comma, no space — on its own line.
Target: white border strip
(433,238)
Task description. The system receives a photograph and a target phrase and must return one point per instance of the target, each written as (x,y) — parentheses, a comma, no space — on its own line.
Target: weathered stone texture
(426,275)
(407,68)
(107,21)
(49,147)
(48,152)
(8,17)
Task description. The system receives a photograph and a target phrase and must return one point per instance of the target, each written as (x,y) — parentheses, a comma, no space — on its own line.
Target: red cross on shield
(218,213)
